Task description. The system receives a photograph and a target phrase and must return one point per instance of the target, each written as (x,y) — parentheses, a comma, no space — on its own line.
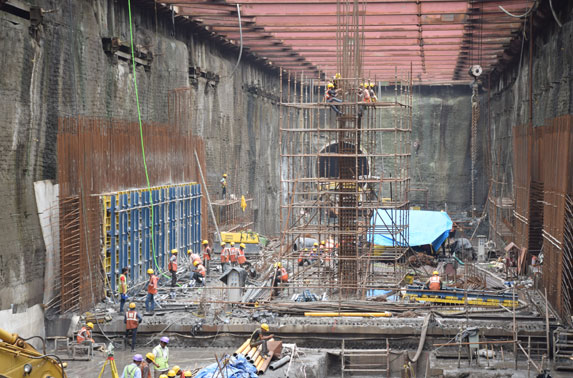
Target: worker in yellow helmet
(371,92)
(151,290)
(172,267)
(171,374)
(330,96)
(241,258)
(132,320)
(434,282)
(178,371)
(206,254)
(260,337)
(85,334)
(224,186)
(198,274)
(145,369)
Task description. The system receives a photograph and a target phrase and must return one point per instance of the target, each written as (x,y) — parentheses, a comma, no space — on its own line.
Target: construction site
(304,188)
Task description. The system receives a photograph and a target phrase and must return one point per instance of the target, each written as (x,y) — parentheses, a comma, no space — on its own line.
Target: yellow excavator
(20,359)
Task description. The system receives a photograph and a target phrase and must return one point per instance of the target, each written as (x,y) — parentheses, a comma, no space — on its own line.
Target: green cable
(141,138)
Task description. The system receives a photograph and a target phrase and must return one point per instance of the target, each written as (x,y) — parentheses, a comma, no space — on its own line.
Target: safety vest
(201,270)
(161,357)
(129,371)
(366,95)
(196,257)
(223,183)
(131,319)
(152,285)
(233,254)
(122,284)
(225,255)
(207,254)
(83,335)
(284,275)
(242,259)
(434,283)
(172,264)
(145,371)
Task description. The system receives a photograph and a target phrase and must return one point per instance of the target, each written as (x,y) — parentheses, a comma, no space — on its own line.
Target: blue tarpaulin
(238,367)
(425,227)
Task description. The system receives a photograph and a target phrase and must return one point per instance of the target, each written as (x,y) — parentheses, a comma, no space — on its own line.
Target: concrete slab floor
(191,358)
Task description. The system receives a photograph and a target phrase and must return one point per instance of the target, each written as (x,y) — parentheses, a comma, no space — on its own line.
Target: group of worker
(159,359)
(366,93)
(319,252)
(232,256)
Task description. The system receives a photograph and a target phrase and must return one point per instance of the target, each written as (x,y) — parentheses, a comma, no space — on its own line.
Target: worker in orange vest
(85,334)
(434,282)
(207,254)
(233,254)
(172,267)
(198,273)
(194,257)
(132,320)
(151,290)
(224,256)
(241,258)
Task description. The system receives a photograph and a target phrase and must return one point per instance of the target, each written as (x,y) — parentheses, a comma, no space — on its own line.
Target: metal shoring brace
(475,72)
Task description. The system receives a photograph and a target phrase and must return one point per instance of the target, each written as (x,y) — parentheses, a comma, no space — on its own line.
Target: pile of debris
(421,259)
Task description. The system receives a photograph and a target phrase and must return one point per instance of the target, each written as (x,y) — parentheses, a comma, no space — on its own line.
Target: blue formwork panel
(145,225)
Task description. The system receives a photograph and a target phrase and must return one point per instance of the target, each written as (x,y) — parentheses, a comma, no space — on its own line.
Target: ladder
(365,361)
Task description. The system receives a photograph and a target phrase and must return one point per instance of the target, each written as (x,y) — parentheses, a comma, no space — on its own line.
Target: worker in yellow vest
(132,320)
(172,267)
(161,353)
(132,370)
(122,288)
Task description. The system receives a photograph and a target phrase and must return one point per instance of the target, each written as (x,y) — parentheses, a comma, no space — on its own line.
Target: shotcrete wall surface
(64,71)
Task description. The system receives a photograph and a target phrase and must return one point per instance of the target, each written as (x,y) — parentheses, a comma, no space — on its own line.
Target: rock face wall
(63,70)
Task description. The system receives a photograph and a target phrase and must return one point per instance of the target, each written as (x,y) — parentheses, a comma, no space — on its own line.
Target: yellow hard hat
(195,263)
(232,244)
(163,376)
(222,244)
(306,249)
(189,251)
(90,325)
(149,271)
(187,374)
(337,76)
(242,245)
(265,327)
(224,175)
(436,273)
(132,305)
(330,85)
(322,242)
(173,251)
(279,264)
(171,373)
(314,249)
(176,369)
(150,356)
(205,242)
(315,244)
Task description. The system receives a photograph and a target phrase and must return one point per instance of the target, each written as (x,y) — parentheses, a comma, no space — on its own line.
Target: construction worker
(198,273)
(151,290)
(85,334)
(241,258)
(279,275)
(193,257)
(177,370)
(303,257)
(434,282)
(161,353)
(330,96)
(206,254)
(145,369)
(172,267)
(122,288)
(233,253)
(371,92)
(259,337)
(224,186)
(224,257)
(132,320)
(132,370)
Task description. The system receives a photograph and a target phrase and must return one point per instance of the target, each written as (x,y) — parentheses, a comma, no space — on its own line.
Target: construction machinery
(20,359)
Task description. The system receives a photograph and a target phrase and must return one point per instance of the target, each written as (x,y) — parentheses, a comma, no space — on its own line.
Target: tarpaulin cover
(238,367)
(425,227)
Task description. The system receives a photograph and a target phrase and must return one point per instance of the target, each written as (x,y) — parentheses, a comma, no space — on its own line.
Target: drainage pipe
(277,364)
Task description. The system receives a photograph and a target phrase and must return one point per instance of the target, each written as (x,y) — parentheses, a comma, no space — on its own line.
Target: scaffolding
(342,165)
